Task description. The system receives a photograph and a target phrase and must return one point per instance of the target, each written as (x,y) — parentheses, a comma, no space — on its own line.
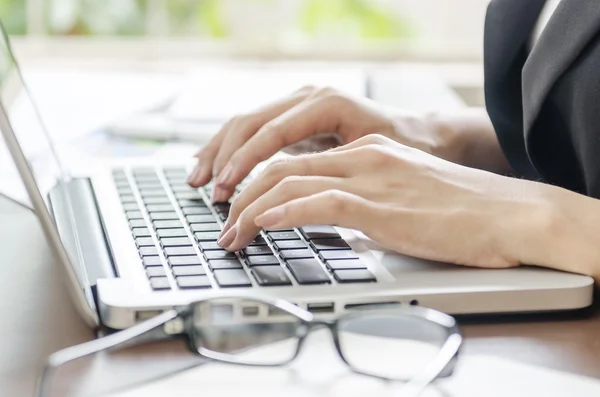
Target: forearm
(464,137)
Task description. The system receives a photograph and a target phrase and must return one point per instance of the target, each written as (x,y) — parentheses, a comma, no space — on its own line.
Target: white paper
(319,372)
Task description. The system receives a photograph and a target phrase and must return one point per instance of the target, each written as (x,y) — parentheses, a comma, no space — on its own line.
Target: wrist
(558,229)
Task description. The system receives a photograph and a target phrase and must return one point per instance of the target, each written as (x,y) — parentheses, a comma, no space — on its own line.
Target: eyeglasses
(405,343)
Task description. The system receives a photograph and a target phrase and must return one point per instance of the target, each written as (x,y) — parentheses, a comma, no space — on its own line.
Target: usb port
(250,311)
(320,307)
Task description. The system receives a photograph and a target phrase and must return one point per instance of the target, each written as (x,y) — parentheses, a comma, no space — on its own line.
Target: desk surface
(37,318)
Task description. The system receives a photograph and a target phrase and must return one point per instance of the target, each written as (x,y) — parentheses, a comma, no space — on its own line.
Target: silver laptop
(135,239)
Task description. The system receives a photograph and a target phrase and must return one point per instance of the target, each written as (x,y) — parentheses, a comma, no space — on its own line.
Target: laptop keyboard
(176,227)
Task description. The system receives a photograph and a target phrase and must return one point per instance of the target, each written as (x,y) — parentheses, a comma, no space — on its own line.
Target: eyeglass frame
(442,365)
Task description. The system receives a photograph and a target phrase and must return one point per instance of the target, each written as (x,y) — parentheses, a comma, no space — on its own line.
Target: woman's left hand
(404,199)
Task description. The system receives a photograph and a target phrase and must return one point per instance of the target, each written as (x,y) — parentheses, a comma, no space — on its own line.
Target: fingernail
(270,219)
(218,195)
(225,229)
(192,177)
(223,178)
(228,238)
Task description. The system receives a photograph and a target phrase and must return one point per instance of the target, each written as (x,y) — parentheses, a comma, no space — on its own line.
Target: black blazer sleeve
(545,105)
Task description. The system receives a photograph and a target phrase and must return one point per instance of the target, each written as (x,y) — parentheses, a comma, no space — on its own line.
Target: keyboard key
(176,251)
(262,260)
(354,276)
(191,203)
(207,236)
(297,254)
(184,260)
(159,283)
(346,254)
(345,264)
(276,236)
(225,264)
(148,251)
(258,250)
(175,171)
(308,271)
(200,219)
(152,261)
(219,255)
(138,171)
(188,196)
(329,244)
(140,231)
(152,192)
(289,244)
(319,232)
(223,217)
(206,227)
(210,245)
(161,216)
(196,211)
(222,207)
(125,192)
(171,233)
(137,223)
(232,278)
(128,198)
(270,275)
(156,271)
(176,242)
(134,215)
(159,207)
(150,185)
(258,240)
(131,207)
(157,200)
(185,282)
(189,271)
(174,224)
(179,188)
(144,242)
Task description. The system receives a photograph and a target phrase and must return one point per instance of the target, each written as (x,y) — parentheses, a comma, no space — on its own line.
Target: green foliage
(211,18)
(352,18)
(12,14)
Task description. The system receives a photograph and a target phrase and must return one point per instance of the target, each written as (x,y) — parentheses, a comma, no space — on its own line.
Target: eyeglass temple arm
(72,353)
(442,365)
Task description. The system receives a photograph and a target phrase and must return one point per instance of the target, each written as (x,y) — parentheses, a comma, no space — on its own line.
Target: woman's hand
(312,119)
(411,202)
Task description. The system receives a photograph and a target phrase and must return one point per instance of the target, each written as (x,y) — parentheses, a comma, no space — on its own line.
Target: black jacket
(545,105)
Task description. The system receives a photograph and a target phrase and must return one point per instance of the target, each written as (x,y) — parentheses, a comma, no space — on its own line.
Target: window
(374,29)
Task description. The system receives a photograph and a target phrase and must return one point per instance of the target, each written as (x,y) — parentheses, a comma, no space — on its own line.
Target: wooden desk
(37,318)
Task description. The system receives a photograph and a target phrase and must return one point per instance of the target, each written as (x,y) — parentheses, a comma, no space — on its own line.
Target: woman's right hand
(312,119)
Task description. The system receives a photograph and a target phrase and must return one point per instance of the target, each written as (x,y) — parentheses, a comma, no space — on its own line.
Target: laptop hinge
(85,229)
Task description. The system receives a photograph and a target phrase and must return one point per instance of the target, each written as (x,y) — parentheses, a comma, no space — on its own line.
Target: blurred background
(123,57)
(356,29)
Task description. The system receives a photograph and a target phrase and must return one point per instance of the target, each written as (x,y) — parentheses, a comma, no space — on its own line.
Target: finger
(202,173)
(312,116)
(290,188)
(318,164)
(241,130)
(332,207)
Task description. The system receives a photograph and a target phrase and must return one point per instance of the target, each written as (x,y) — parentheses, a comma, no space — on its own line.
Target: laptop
(134,239)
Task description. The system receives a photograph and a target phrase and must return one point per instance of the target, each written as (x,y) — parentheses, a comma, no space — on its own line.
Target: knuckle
(374,139)
(275,169)
(291,181)
(338,200)
(307,89)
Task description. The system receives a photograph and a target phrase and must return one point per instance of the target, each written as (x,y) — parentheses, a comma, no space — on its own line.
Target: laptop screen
(29,131)
(26,143)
